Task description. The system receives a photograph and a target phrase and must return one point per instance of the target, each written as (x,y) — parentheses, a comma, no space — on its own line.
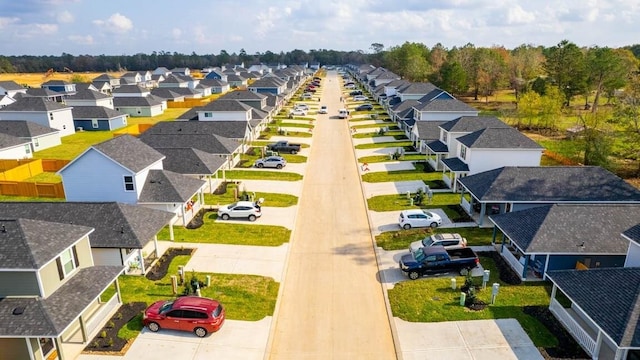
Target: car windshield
(231,206)
(418,255)
(427,241)
(165,307)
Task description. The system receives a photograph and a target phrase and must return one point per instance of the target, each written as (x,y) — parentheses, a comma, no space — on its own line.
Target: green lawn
(272,131)
(271,199)
(45,177)
(433,300)
(244,297)
(398,134)
(247,160)
(74,145)
(407,145)
(399,240)
(260,175)
(401,202)
(212,232)
(433,178)
(387,123)
(284,123)
(385,158)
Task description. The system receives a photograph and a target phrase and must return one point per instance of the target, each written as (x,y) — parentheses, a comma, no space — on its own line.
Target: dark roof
(190,161)
(445,105)
(213,82)
(470,124)
(498,138)
(129,152)
(570,229)
(228,129)
(11,85)
(438,147)
(40,92)
(633,233)
(26,103)
(141,101)
(88,95)
(226,105)
(609,296)
(166,93)
(235,78)
(24,129)
(130,89)
(163,186)
(455,164)
(27,244)
(173,79)
(268,82)
(428,130)
(550,184)
(56,83)
(416,88)
(212,144)
(95,112)
(405,105)
(104,77)
(9,141)
(241,95)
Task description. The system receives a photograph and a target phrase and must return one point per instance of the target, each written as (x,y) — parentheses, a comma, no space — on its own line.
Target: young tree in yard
(606,68)
(566,68)
(528,109)
(551,105)
(626,115)
(491,70)
(597,142)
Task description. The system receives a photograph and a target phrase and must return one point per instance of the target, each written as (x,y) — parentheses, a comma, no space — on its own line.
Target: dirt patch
(107,341)
(567,347)
(161,267)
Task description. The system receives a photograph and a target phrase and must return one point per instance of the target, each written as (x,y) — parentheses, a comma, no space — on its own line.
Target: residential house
(439,105)
(162,71)
(564,236)
(89,98)
(272,85)
(43,93)
(236,81)
(384,78)
(513,188)
(131,91)
(167,94)
(217,86)
(43,112)
(6,100)
(131,78)
(98,118)
(217,75)
(140,106)
(60,86)
(39,137)
(425,132)
(12,147)
(108,78)
(51,293)
(11,88)
(147,79)
(414,91)
(103,86)
(181,71)
(633,253)
(174,81)
(125,169)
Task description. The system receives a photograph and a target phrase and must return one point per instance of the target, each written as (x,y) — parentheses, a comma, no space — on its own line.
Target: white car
(276,162)
(418,218)
(303,106)
(297,112)
(350,86)
(306,96)
(323,109)
(240,209)
(448,241)
(359,98)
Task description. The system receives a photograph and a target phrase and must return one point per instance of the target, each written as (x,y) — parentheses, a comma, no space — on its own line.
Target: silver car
(276,162)
(240,209)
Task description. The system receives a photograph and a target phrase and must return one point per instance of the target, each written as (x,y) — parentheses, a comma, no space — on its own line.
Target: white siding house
(43,112)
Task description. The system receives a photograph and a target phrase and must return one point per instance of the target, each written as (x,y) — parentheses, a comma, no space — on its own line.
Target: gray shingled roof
(104,77)
(130,89)
(428,130)
(185,91)
(174,79)
(268,82)
(129,152)
(468,124)
(498,138)
(416,88)
(550,184)
(235,78)
(445,105)
(55,83)
(212,144)
(609,296)
(40,92)
(455,164)
(11,85)
(227,129)
(213,82)
(27,244)
(26,103)
(633,233)
(162,186)
(88,95)
(226,105)
(24,129)
(405,105)
(241,95)
(438,147)
(139,101)
(95,112)
(116,225)
(190,161)
(562,228)
(166,93)
(9,141)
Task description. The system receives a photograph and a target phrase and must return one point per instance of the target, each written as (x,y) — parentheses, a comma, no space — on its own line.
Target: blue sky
(115,27)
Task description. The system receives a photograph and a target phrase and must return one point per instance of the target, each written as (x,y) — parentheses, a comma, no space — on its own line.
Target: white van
(343,113)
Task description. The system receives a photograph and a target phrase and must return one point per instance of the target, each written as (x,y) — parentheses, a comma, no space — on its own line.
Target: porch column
(493,237)
(184,215)
(155,245)
(596,350)
(118,291)
(526,265)
(58,344)
(171,235)
(141,260)
(483,207)
(83,329)
(454,184)
(553,291)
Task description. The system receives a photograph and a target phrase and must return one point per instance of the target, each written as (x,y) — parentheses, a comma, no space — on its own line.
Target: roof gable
(129,152)
(498,138)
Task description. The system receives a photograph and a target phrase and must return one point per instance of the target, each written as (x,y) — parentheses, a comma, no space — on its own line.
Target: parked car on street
(240,209)
(323,109)
(418,218)
(359,98)
(364,107)
(186,313)
(277,162)
(448,241)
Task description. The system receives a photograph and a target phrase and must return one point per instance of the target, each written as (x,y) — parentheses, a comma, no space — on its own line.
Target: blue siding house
(96,118)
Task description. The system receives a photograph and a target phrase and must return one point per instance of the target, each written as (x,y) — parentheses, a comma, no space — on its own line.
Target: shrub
(103,334)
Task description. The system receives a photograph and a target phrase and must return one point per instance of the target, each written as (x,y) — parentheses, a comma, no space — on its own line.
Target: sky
(118,27)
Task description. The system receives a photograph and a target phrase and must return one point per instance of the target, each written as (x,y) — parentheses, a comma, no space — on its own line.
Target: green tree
(377,47)
(525,66)
(409,61)
(465,56)
(597,142)
(606,68)
(626,115)
(452,78)
(566,67)
(528,109)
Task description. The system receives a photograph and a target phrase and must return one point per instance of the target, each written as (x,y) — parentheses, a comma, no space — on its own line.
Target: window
(128,183)
(36,142)
(27,149)
(444,136)
(463,152)
(67,262)
(94,123)
(208,114)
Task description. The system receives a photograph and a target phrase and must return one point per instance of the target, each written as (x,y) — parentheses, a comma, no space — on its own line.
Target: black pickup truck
(436,259)
(284,147)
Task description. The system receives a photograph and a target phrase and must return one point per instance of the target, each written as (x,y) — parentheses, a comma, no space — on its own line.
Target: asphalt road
(331,305)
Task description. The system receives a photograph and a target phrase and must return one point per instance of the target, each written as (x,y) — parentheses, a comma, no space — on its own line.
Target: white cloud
(6,21)
(517,15)
(44,28)
(116,23)
(65,17)
(82,40)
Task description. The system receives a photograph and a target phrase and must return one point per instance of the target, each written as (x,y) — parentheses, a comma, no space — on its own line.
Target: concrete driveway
(272,186)
(298,168)
(373,140)
(388,220)
(388,188)
(388,166)
(279,216)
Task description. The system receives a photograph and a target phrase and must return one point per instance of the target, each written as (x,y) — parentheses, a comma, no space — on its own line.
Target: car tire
(153,327)
(434,225)
(293,152)
(200,332)
(406,226)
(413,275)
(252,217)
(260,166)
(224,216)
(279,166)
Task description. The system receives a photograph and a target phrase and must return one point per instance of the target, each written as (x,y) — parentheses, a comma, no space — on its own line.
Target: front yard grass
(212,232)
(74,145)
(260,175)
(271,199)
(376,125)
(399,240)
(433,178)
(249,158)
(400,202)
(45,177)
(407,145)
(385,158)
(399,135)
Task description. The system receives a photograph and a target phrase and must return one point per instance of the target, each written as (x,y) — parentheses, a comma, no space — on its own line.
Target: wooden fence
(135,129)
(187,103)
(15,171)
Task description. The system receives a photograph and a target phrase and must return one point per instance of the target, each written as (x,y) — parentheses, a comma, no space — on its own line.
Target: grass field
(36,79)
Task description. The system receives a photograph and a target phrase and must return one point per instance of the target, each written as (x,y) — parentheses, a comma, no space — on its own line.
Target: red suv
(186,313)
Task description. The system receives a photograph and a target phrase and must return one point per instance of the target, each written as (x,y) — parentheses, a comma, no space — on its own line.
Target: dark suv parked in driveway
(364,107)
(356,92)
